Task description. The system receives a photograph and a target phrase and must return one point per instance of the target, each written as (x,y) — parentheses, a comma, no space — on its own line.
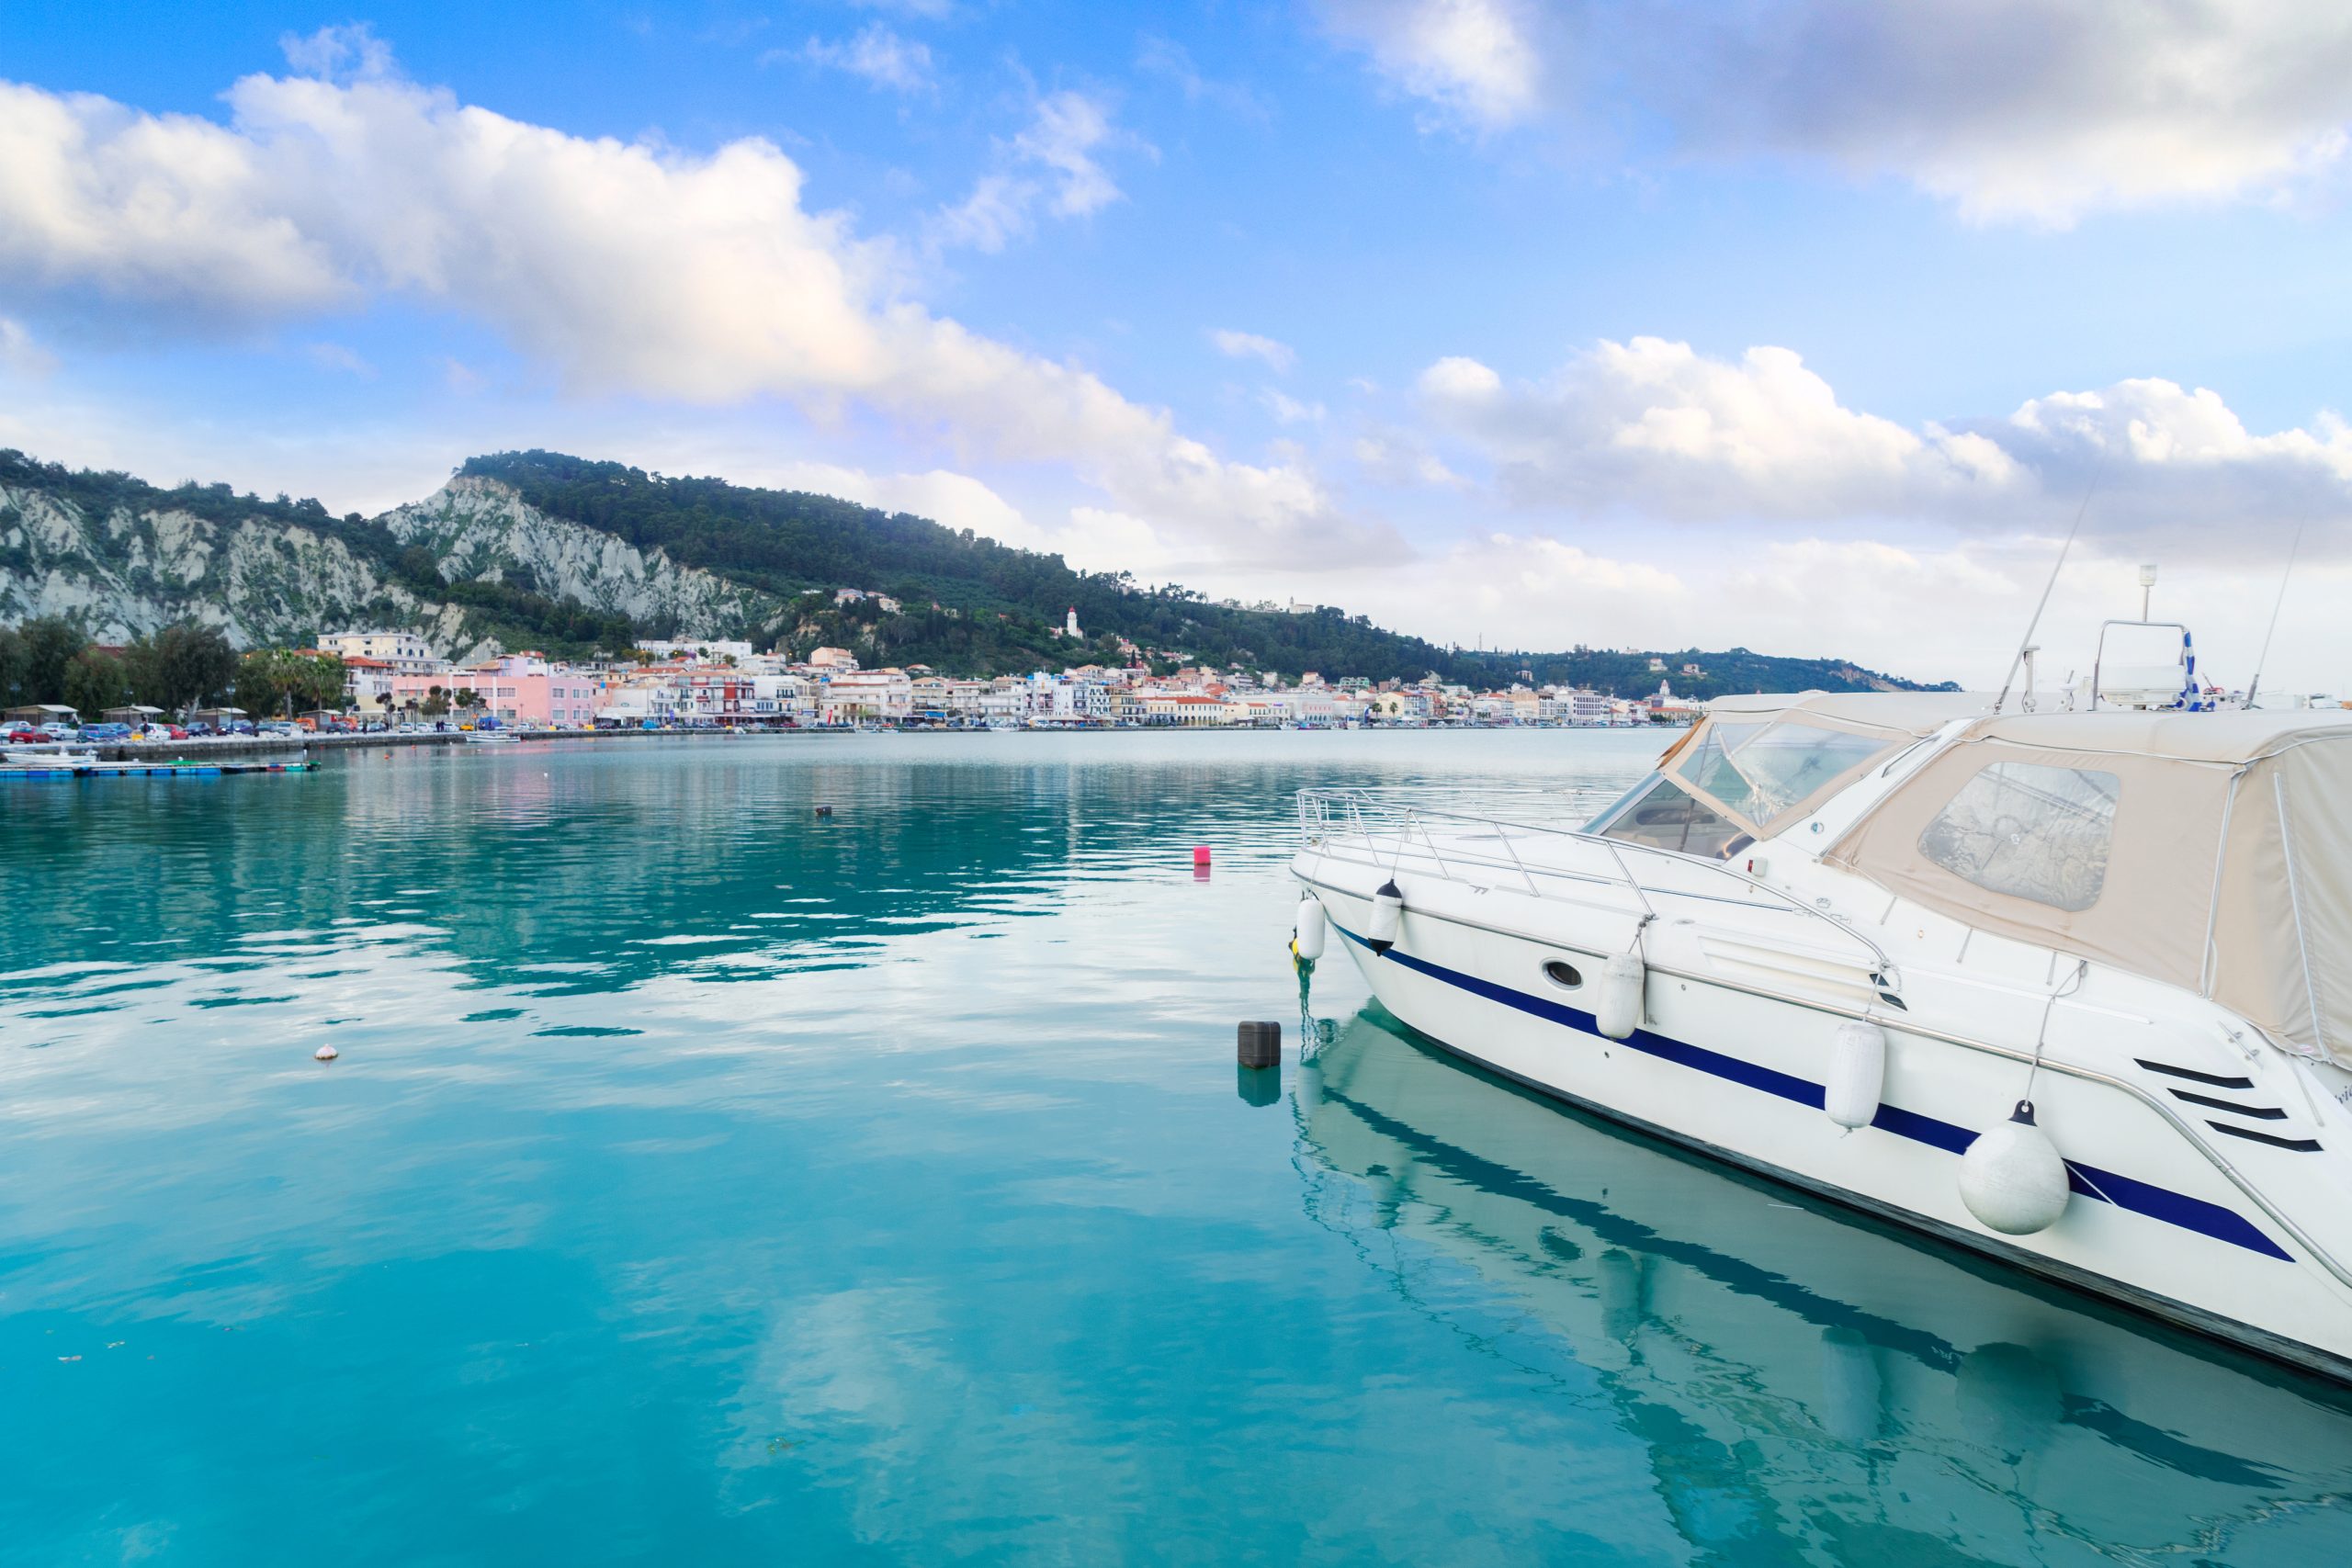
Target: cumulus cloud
(1277,356)
(875,54)
(1656,429)
(1479,61)
(1053,163)
(627,267)
(2039,109)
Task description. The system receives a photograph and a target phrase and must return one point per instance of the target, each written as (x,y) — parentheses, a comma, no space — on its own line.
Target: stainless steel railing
(1353,824)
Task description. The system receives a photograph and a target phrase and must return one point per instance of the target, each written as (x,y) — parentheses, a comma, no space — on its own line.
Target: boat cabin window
(1764,770)
(2030,831)
(1666,816)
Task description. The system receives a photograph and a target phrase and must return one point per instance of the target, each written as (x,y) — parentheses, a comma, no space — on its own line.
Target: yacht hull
(1737,1074)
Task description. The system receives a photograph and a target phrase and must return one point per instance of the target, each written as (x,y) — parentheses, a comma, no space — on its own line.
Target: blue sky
(1801,324)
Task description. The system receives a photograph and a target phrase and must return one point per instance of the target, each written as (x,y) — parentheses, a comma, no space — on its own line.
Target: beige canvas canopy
(1908,713)
(2210,851)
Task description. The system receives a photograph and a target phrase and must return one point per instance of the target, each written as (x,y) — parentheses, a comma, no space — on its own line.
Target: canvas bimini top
(2210,851)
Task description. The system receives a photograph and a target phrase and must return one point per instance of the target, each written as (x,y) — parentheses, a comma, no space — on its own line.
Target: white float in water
(1617,1007)
(1306,939)
(1857,1074)
(325,1054)
(1387,917)
(2011,1176)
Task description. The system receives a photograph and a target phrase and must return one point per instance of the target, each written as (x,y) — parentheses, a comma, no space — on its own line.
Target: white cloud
(1399,459)
(1278,356)
(1172,62)
(624,267)
(1479,60)
(1288,410)
(20,355)
(339,357)
(460,377)
(1656,429)
(1066,132)
(1063,137)
(2036,109)
(1094,539)
(875,54)
(350,49)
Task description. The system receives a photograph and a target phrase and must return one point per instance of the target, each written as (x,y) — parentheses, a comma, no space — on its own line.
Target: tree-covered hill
(997,606)
(576,556)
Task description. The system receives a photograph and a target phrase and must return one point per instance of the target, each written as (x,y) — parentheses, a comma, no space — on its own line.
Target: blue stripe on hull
(2102,1186)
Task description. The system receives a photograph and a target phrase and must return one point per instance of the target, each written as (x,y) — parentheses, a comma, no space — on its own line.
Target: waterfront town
(394,676)
(187,682)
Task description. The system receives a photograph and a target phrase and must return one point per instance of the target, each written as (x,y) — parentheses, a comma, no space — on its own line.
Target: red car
(25,735)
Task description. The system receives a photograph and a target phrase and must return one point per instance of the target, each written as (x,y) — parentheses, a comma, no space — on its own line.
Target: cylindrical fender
(1857,1074)
(1387,917)
(1617,1007)
(1307,939)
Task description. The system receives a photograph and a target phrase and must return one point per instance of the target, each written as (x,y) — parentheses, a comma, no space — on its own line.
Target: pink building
(520,688)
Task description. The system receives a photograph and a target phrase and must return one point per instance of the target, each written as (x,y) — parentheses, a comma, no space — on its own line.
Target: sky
(1803,325)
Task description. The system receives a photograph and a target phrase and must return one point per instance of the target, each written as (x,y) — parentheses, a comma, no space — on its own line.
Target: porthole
(1563,974)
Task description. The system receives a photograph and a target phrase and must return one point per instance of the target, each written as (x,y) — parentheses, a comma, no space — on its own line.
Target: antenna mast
(2276,604)
(2025,642)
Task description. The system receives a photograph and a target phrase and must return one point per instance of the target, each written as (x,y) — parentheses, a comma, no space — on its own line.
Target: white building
(407,653)
(850,695)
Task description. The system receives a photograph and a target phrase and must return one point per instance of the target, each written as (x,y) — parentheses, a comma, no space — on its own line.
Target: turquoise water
(702,1181)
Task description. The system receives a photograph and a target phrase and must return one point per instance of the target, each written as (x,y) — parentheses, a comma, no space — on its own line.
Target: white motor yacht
(2065,987)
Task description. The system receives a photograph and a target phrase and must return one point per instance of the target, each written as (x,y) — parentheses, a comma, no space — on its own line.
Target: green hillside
(996,606)
(121,557)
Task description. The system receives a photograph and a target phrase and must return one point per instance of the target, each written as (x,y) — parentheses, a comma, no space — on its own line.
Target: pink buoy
(1200,854)
(325,1054)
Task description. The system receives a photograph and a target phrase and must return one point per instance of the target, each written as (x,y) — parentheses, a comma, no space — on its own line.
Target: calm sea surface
(702,1181)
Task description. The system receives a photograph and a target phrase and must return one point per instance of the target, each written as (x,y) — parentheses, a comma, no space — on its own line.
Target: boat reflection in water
(1809,1386)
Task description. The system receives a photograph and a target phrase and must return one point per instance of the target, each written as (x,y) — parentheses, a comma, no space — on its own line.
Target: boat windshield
(1764,771)
(1727,786)
(1664,815)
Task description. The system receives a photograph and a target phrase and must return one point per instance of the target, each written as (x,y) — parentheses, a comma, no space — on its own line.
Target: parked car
(105,732)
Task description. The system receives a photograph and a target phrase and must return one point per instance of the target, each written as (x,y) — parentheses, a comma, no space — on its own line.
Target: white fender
(1617,1009)
(1306,938)
(2011,1176)
(1857,1074)
(1387,917)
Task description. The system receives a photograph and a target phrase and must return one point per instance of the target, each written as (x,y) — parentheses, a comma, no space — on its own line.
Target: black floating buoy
(824,811)
(1260,1045)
